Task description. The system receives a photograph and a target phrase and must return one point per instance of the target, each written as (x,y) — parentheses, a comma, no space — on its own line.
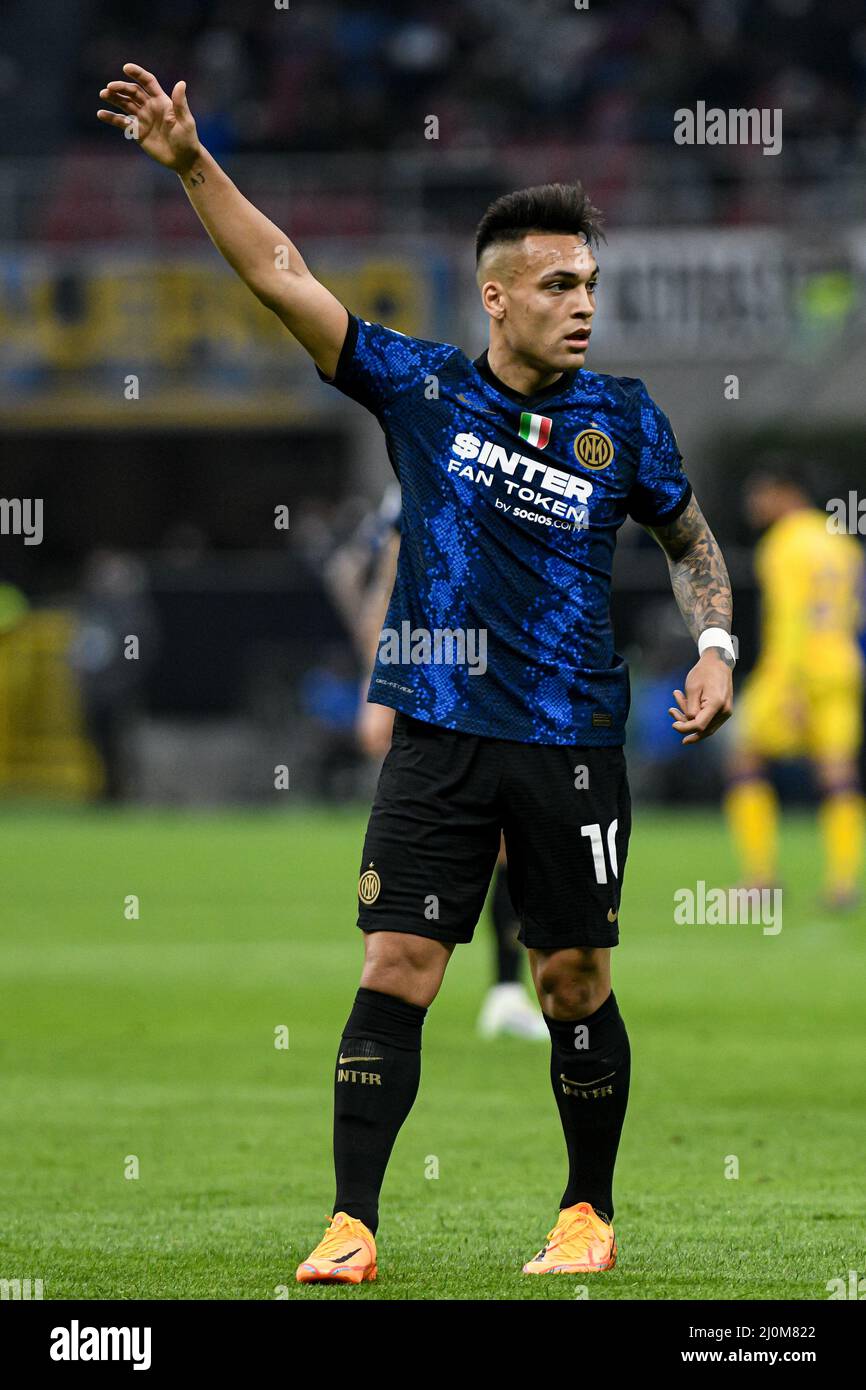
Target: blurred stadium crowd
(518,71)
(510,82)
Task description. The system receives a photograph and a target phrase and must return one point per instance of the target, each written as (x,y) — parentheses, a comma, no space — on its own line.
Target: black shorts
(433,837)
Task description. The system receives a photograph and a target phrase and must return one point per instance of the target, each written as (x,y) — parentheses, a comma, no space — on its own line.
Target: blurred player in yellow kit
(804,697)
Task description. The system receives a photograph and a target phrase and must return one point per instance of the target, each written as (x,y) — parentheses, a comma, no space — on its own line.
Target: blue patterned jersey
(499,622)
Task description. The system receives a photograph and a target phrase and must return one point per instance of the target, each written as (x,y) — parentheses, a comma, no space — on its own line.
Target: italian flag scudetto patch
(535,429)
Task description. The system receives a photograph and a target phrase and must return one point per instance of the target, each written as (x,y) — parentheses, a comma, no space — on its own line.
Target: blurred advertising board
(93,339)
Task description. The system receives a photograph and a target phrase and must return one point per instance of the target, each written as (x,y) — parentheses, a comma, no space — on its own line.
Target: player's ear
(493,298)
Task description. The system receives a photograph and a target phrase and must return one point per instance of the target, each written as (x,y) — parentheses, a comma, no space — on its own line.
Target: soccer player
(805,695)
(506,1009)
(516,471)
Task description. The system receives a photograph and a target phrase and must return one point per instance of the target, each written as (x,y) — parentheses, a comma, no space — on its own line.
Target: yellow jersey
(804,696)
(811,591)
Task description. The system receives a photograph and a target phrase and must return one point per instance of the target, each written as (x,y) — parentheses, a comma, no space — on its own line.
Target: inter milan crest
(369,885)
(593,448)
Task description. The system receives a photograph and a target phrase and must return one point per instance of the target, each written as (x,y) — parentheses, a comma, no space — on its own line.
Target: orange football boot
(346,1254)
(580,1243)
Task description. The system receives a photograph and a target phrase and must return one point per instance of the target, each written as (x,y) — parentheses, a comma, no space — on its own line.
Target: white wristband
(716,637)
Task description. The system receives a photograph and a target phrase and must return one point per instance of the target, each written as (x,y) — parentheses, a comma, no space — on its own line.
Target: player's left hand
(708,699)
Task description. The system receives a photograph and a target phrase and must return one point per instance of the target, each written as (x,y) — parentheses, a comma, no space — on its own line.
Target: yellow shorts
(815,716)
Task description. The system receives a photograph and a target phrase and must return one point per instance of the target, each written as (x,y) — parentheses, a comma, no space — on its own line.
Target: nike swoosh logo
(569,1081)
(341,1259)
(344,1060)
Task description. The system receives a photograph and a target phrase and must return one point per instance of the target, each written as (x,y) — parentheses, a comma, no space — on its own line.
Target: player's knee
(572,984)
(836,776)
(410,967)
(743,766)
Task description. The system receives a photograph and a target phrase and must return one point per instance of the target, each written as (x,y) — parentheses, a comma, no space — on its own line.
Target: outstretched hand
(162,125)
(708,699)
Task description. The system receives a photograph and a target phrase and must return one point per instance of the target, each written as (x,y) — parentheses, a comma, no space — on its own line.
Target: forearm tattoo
(699,577)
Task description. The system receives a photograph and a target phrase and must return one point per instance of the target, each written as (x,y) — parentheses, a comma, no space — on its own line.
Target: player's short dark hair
(549,207)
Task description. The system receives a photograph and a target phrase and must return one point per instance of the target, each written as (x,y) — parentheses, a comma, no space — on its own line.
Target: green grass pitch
(155,1038)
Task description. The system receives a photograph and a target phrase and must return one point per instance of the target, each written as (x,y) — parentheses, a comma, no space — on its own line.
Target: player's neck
(518,375)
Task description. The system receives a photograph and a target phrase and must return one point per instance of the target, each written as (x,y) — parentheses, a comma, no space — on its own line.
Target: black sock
(376,1082)
(591,1087)
(506,925)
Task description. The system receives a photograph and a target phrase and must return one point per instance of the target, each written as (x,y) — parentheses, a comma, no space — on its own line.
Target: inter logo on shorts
(535,429)
(593,448)
(369,885)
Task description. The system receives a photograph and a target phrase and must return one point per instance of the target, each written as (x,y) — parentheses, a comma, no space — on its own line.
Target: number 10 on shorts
(595,838)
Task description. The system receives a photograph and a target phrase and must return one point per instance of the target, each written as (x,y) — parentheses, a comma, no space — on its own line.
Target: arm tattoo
(698,574)
(196,179)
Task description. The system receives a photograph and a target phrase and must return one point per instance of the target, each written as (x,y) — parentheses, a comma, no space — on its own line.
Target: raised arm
(254,247)
(703,593)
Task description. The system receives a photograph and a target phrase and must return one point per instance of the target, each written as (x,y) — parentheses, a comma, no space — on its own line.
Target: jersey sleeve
(377,363)
(661,491)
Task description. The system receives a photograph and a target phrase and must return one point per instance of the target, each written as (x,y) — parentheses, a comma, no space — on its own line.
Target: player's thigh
(567,821)
(433,835)
(770,718)
(835,722)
